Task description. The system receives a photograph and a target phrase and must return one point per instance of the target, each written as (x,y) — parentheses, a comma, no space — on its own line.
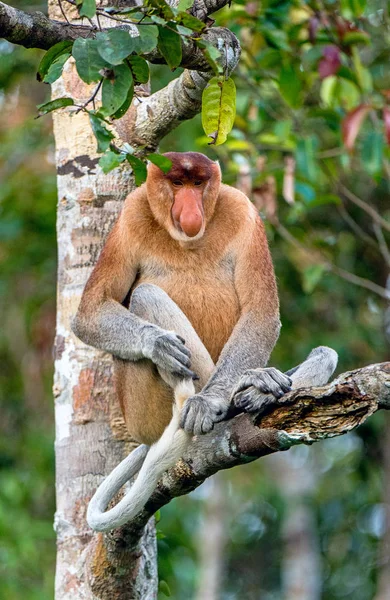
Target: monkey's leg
(259,389)
(146,397)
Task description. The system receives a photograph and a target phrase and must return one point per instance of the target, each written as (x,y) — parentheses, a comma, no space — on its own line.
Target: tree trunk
(91,437)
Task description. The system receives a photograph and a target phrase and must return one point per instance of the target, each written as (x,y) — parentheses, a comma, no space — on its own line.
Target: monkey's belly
(210,304)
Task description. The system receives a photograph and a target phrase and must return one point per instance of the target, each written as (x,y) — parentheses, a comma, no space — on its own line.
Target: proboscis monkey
(184,297)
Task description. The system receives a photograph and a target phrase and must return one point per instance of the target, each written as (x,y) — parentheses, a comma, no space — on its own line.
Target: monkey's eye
(197,183)
(177,182)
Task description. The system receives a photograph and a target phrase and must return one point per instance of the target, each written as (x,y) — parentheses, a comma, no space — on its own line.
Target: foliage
(27,314)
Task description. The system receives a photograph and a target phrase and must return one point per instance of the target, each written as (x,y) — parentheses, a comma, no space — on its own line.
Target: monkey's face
(183,200)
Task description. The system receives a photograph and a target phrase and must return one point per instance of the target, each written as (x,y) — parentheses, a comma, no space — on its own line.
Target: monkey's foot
(259,389)
(199,413)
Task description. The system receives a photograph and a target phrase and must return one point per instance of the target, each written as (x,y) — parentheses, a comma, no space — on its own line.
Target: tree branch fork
(307,415)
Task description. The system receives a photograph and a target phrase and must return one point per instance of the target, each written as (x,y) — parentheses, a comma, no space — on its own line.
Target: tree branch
(35,30)
(307,415)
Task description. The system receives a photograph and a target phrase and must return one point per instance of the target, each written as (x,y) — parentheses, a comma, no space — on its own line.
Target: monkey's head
(183,200)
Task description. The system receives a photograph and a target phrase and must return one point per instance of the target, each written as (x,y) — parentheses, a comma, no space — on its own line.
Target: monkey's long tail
(149,463)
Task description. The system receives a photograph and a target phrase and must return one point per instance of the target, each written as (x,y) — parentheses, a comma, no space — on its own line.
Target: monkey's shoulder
(235,213)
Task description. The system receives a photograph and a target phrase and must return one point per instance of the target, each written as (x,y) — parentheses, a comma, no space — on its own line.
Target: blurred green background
(323,509)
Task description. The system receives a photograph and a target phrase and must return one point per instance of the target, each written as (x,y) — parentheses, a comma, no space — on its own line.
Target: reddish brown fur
(214,280)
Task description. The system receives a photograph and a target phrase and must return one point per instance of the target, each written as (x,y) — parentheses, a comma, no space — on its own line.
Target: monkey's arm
(103,322)
(253,337)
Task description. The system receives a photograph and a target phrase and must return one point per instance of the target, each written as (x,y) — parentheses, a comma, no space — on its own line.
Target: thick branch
(307,415)
(35,30)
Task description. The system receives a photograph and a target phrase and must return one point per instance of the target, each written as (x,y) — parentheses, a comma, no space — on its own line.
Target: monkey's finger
(187,416)
(280,378)
(177,368)
(180,338)
(179,355)
(180,346)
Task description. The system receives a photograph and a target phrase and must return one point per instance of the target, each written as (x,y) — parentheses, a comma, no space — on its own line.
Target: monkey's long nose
(191,220)
(187,211)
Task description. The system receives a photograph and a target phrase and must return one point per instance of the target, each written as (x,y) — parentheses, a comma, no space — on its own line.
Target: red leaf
(352,123)
(331,62)
(386,118)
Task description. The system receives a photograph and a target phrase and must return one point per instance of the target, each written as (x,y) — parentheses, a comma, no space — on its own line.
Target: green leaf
(169,44)
(51,55)
(139,68)
(184,4)
(191,22)
(147,39)
(372,152)
(339,93)
(103,136)
(311,276)
(164,588)
(89,63)
(55,69)
(139,169)
(356,37)
(125,106)
(306,192)
(88,9)
(43,109)
(218,108)
(110,160)
(160,161)
(276,38)
(114,45)
(290,86)
(115,89)
(305,156)
(211,54)
(162,7)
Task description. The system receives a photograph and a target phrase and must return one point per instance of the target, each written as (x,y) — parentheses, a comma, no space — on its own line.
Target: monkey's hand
(259,389)
(200,412)
(167,350)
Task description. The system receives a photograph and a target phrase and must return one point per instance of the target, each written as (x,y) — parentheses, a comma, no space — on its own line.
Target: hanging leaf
(55,69)
(110,160)
(103,136)
(115,89)
(352,123)
(51,55)
(126,105)
(218,109)
(146,41)
(160,161)
(89,63)
(169,44)
(114,45)
(88,9)
(139,68)
(139,169)
(43,109)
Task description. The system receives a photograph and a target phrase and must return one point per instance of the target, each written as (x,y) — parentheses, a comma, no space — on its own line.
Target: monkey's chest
(207,298)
